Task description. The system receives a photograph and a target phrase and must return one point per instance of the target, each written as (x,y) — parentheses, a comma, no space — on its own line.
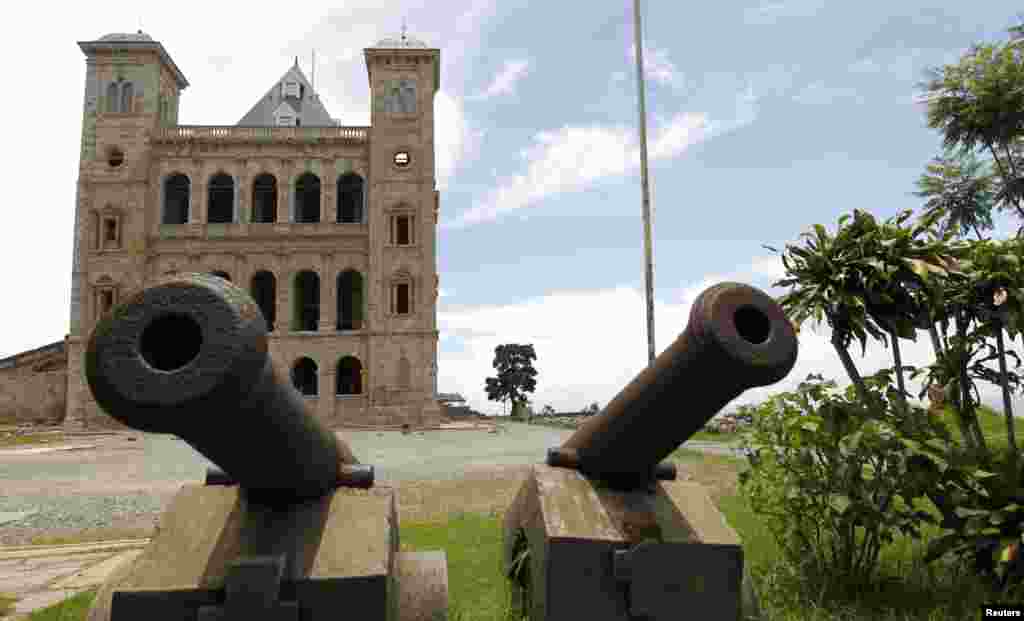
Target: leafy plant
(960,192)
(978,103)
(828,475)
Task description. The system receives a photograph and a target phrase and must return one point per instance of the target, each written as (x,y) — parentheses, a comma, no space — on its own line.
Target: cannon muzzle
(737,338)
(189,356)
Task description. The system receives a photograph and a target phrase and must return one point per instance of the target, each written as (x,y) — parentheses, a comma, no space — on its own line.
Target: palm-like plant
(961,190)
(978,103)
(868,279)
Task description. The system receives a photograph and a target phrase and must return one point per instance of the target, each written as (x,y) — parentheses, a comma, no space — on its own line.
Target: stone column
(329,286)
(199,195)
(324,324)
(328,188)
(244,190)
(283,196)
(284,291)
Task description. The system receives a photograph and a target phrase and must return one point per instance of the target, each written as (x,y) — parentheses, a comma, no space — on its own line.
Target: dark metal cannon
(289,524)
(603,531)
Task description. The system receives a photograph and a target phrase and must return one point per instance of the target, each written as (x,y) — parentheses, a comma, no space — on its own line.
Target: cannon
(602,530)
(288,524)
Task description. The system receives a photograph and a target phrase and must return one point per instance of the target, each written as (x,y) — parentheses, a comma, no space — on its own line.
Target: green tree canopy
(516,374)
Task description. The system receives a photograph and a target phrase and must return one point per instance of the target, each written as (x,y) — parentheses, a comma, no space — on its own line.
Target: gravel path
(125,482)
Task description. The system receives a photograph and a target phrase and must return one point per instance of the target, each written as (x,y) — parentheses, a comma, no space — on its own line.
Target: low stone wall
(27,396)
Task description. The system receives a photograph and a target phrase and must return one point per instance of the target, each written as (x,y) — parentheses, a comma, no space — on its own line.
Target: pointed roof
(310,111)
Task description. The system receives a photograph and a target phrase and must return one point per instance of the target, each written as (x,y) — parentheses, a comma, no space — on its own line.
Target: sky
(763,119)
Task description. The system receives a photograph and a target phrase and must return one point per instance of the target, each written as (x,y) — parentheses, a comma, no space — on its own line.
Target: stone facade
(33,386)
(381,320)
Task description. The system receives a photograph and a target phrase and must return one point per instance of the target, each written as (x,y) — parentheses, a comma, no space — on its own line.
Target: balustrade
(208,133)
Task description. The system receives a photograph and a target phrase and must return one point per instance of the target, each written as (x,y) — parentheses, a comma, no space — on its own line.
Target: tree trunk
(936,345)
(1007,406)
(899,370)
(851,371)
(958,410)
(968,412)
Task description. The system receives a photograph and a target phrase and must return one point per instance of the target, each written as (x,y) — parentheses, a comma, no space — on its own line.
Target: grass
(701,436)
(30,439)
(993,427)
(724,438)
(905,590)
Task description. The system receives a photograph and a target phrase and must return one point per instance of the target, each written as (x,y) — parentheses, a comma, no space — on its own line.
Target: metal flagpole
(648,261)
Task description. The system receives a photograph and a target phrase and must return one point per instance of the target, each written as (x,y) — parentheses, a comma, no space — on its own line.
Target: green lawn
(993,426)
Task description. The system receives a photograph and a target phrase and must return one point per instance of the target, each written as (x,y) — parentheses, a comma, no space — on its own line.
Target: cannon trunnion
(289,524)
(602,531)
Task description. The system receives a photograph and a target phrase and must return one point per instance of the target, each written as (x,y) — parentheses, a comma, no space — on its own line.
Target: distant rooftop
(126,36)
(401,41)
(404,41)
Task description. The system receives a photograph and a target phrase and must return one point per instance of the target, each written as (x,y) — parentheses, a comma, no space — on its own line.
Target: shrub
(829,477)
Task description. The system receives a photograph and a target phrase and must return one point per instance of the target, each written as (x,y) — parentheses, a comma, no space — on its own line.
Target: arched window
(263,292)
(126,97)
(220,199)
(304,377)
(112,97)
(306,302)
(349,376)
(307,198)
(350,300)
(176,199)
(264,198)
(350,198)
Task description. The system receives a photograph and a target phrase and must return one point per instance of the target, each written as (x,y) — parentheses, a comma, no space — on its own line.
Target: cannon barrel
(737,338)
(189,356)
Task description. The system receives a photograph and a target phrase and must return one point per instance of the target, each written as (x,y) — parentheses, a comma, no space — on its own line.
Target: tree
(515,375)
(978,104)
(961,187)
(592,409)
(548,411)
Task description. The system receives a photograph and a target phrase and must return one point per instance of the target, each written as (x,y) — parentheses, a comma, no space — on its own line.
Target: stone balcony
(233,134)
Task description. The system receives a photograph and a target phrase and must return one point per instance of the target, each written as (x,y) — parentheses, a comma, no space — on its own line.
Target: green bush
(829,477)
(982,504)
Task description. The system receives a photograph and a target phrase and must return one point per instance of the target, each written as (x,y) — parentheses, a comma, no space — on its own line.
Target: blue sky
(763,119)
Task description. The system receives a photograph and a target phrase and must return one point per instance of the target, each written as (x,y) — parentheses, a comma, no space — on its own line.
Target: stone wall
(33,389)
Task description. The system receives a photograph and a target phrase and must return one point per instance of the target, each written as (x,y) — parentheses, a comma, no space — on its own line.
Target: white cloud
(592,343)
(455,137)
(504,83)
(573,157)
(770,266)
(558,162)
